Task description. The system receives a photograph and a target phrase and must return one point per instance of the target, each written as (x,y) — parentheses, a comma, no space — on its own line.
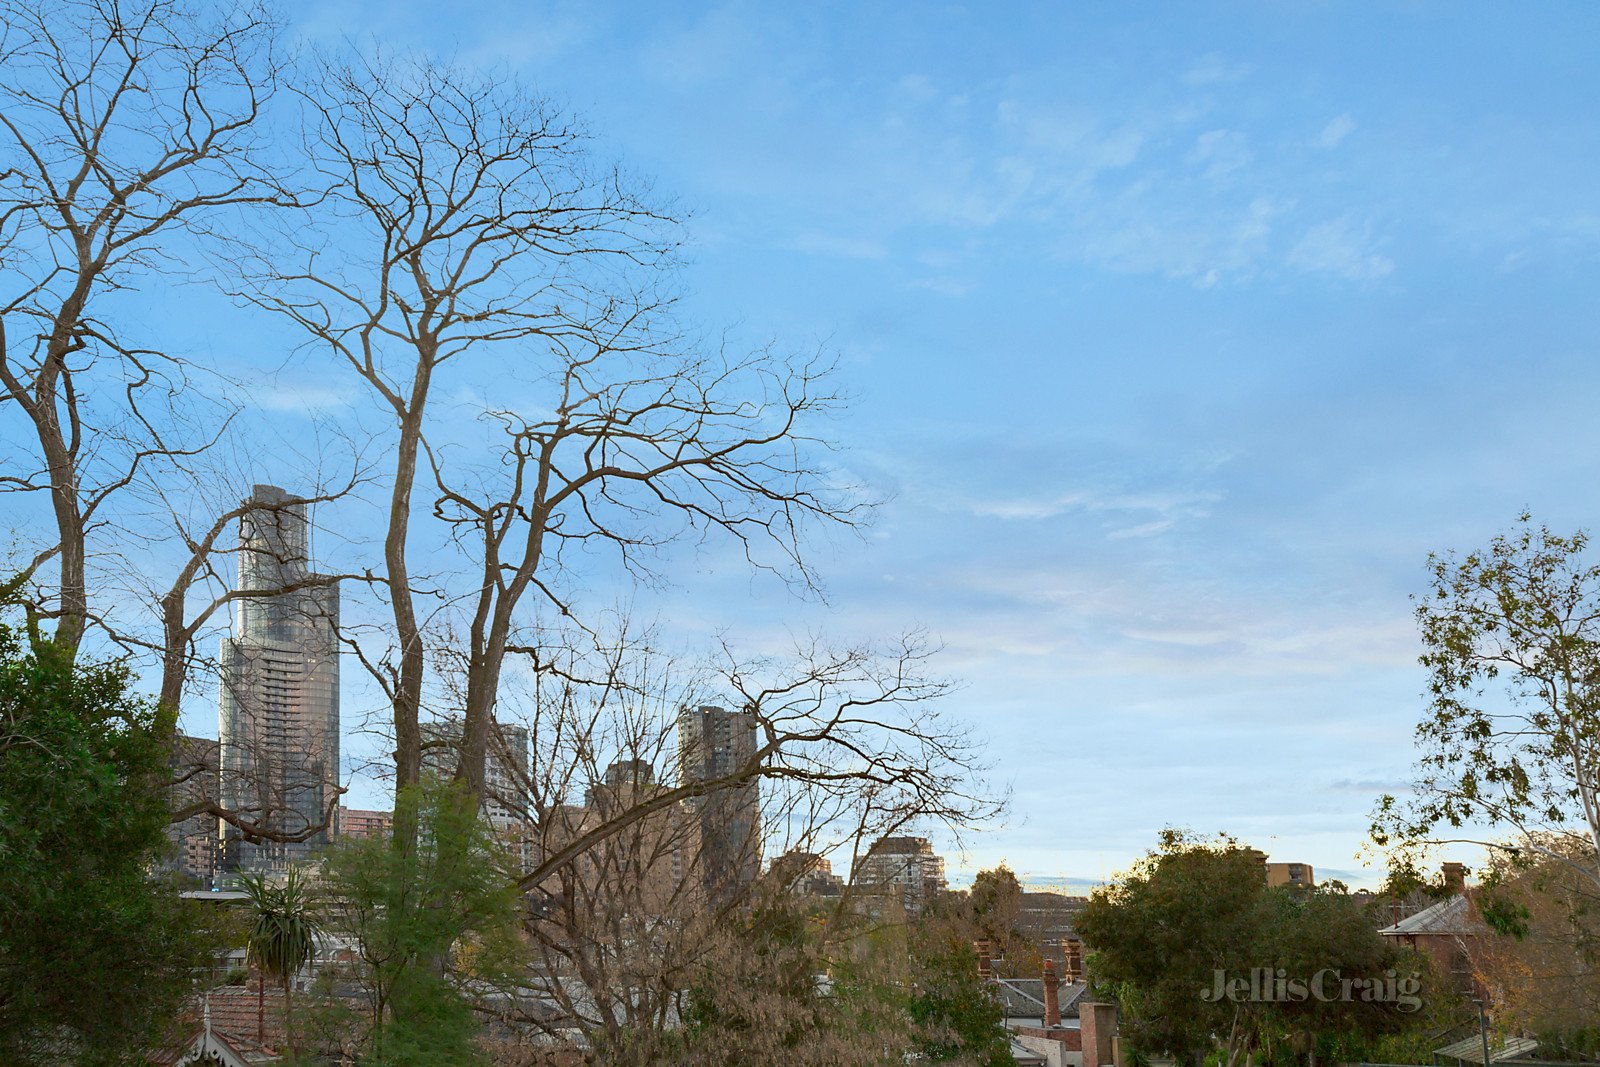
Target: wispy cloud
(1342,247)
(1335,132)
(305,398)
(1220,153)
(1177,503)
(1370,786)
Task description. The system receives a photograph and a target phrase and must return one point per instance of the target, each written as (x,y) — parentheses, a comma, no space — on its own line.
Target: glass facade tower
(279,728)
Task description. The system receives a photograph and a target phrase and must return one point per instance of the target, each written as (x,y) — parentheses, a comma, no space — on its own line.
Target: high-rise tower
(714,743)
(279,727)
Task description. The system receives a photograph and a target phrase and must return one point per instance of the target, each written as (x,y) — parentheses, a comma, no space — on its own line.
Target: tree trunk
(288,1016)
(408,631)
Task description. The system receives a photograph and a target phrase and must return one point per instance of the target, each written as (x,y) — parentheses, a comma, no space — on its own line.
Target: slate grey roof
(1020,996)
(1025,996)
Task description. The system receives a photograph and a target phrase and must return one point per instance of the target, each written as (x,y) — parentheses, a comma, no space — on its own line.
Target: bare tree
(468,240)
(130,147)
(129,140)
(629,902)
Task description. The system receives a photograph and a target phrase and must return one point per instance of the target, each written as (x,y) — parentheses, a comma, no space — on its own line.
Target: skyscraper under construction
(279,728)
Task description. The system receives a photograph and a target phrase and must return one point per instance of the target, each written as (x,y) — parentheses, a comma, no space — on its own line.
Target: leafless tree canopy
(468,238)
(628,905)
(127,143)
(130,151)
(455,250)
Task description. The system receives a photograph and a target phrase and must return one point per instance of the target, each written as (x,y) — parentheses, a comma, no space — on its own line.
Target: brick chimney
(1052,1000)
(985,949)
(1455,877)
(1097,1033)
(1072,950)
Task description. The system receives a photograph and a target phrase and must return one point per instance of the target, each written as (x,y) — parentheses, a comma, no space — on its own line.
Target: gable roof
(211,1049)
(1025,996)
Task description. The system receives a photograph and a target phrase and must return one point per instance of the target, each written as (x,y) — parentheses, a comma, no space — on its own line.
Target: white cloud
(1173,503)
(1137,236)
(1341,247)
(1145,529)
(303,397)
(1335,131)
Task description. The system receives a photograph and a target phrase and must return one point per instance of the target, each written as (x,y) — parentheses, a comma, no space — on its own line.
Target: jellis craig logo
(1267,985)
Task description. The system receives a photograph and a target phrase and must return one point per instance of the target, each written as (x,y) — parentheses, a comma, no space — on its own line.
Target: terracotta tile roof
(233,1015)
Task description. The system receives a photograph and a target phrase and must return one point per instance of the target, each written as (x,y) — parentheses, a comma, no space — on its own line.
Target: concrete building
(505,776)
(805,874)
(357,822)
(902,868)
(714,743)
(652,866)
(1299,875)
(194,765)
(279,721)
(622,776)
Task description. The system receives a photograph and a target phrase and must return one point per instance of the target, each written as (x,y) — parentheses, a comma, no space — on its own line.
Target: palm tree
(281,939)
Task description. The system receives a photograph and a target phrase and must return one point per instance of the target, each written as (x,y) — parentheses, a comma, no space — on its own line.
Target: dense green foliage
(957,1018)
(1191,914)
(435,925)
(95,956)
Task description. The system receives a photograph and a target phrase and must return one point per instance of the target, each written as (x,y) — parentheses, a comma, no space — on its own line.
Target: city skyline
(830,534)
(1177,342)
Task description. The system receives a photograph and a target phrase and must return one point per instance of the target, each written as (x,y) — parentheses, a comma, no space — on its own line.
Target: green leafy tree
(1511,741)
(282,934)
(96,958)
(1191,914)
(958,1020)
(435,925)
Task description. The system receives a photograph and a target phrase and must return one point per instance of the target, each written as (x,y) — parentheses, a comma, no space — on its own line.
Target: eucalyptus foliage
(1511,740)
(435,927)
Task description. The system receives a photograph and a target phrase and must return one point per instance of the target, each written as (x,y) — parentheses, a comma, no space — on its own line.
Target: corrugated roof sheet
(1471,1049)
(1452,916)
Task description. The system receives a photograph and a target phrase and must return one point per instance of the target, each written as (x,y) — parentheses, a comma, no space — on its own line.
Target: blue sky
(1179,335)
